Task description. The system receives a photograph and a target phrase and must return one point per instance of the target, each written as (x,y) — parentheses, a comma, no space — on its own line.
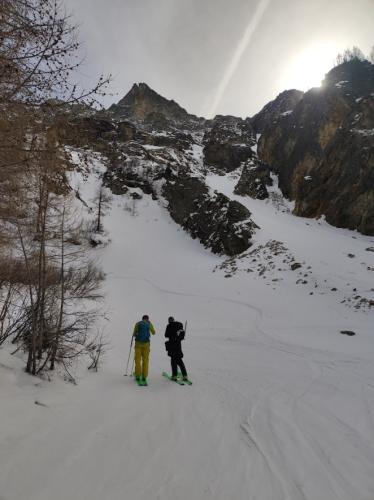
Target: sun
(308,66)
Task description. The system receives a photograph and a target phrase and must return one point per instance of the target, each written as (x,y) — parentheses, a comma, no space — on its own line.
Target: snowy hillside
(281,406)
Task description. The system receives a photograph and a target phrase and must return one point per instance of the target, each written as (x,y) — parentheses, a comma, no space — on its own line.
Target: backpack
(143,333)
(181,334)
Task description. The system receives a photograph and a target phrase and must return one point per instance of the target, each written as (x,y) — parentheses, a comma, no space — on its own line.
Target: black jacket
(175,333)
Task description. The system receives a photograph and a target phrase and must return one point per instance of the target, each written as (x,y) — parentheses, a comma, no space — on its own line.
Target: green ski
(179,380)
(186,381)
(141,382)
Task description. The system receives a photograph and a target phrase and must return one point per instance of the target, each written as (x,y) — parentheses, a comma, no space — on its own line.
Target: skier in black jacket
(175,333)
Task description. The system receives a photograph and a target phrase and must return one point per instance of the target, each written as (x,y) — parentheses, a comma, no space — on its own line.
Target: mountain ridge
(319,143)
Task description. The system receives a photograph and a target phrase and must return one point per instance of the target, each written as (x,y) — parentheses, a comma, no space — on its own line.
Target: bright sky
(218,56)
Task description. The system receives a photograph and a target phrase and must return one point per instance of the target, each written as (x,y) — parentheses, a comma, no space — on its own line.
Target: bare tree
(350,54)
(61,282)
(96,351)
(38,53)
(102,200)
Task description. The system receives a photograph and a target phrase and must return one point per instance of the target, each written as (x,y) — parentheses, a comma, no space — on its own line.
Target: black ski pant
(175,362)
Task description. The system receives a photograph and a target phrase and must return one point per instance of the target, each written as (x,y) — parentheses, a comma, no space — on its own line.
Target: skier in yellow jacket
(142,334)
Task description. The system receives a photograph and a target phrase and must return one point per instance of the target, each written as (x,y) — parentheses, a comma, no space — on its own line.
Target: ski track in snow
(281,406)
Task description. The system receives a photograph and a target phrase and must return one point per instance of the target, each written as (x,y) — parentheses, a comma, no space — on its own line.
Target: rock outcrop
(282,105)
(228,143)
(323,152)
(254,179)
(221,224)
(85,131)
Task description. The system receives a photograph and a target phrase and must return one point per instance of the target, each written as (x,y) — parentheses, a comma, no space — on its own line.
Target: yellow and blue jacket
(143,330)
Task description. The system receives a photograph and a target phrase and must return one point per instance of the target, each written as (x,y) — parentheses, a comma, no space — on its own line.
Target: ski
(178,381)
(188,382)
(141,383)
(179,376)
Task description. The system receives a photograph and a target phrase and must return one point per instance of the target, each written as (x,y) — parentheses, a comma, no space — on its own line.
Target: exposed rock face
(323,151)
(126,131)
(219,223)
(254,180)
(355,78)
(119,180)
(142,104)
(282,105)
(228,143)
(342,184)
(82,131)
(178,140)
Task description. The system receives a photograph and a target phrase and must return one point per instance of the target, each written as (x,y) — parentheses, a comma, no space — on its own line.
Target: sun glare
(309,66)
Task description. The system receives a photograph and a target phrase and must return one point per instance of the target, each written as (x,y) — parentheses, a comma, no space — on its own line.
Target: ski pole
(128,360)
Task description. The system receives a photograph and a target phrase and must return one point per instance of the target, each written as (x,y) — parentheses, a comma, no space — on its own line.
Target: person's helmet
(171,319)
(145,317)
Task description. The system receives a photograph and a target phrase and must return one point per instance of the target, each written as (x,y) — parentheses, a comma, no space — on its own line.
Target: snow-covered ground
(281,406)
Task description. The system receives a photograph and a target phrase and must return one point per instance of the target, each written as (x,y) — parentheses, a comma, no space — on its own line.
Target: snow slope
(282,405)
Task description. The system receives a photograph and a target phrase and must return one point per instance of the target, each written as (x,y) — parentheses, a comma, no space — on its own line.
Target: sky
(217,56)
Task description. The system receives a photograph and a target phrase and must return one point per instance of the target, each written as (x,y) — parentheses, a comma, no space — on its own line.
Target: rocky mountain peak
(143,105)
